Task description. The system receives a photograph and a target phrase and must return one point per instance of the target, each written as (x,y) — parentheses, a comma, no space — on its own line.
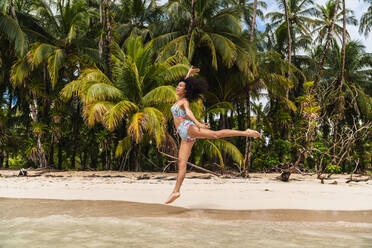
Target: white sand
(256,193)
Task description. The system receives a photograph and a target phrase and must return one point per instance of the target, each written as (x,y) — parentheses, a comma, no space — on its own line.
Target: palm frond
(156,123)
(117,113)
(94,113)
(55,63)
(20,70)
(123,146)
(160,95)
(14,33)
(138,125)
(40,52)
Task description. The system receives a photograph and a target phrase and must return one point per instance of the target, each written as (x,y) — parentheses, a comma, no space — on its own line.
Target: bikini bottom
(183,129)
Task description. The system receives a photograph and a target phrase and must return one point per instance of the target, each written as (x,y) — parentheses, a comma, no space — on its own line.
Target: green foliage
(55,89)
(333,169)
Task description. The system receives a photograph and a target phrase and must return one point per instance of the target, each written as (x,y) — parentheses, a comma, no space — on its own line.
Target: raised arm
(192,117)
(192,71)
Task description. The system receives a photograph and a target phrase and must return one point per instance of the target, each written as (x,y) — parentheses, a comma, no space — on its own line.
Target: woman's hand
(203,125)
(192,71)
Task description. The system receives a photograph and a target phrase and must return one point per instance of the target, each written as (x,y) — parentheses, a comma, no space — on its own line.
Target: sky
(358,6)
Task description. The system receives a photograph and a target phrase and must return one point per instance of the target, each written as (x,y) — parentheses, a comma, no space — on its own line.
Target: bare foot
(173,197)
(253,133)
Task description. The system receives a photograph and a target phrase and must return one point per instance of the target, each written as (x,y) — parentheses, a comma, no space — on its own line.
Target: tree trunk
(136,157)
(289,42)
(51,155)
(328,41)
(1,159)
(41,157)
(253,21)
(247,155)
(191,25)
(13,12)
(108,40)
(84,161)
(60,147)
(6,160)
(343,52)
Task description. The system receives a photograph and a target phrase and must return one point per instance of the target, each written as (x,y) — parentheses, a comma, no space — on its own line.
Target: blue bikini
(183,128)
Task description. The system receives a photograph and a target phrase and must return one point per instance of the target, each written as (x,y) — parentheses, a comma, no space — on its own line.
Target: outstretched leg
(204,133)
(183,157)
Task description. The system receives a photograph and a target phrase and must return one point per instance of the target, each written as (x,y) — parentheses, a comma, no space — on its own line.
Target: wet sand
(37,208)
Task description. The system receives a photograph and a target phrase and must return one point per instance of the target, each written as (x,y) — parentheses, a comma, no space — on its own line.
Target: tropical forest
(88,84)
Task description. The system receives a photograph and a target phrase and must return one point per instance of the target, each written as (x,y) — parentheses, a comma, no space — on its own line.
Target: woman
(189,128)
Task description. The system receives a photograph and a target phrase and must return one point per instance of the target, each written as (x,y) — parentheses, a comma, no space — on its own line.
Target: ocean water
(36,223)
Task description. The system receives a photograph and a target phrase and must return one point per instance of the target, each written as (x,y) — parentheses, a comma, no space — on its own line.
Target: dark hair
(194,87)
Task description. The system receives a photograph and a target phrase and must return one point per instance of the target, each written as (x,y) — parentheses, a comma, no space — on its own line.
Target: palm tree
(327,21)
(249,11)
(9,26)
(366,20)
(66,42)
(59,48)
(358,65)
(293,23)
(325,14)
(202,27)
(134,17)
(133,97)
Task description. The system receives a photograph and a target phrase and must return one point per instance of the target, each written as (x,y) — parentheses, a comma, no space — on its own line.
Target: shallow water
(40,223)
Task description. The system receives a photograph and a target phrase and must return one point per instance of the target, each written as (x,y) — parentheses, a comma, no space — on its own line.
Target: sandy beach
(199,191)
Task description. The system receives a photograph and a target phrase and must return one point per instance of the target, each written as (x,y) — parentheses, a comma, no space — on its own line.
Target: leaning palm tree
(324,19)
(328,17)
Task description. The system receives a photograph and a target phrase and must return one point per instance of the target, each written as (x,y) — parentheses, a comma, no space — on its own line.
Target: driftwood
(191,164)
(358,180)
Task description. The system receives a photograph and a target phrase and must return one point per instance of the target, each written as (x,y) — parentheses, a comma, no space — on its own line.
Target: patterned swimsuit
(183,128)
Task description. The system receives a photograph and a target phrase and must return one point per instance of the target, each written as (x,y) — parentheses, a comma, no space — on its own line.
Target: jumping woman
(190,129)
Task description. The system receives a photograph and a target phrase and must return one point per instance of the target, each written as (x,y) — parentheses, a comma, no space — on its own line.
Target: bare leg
(209,134)
(183,157)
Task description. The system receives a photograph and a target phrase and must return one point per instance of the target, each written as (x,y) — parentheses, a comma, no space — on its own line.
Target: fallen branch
(358,180)
(191,164)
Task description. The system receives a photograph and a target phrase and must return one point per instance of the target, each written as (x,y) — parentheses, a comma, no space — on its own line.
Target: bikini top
(177,112)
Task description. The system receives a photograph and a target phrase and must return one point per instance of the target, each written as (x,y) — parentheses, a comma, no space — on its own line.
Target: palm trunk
(247,154)
(1,159)
(253,21)
(108,40)
(13,12)
(191,25)
(289,42)
(328,41)
(41,157)
(60,147)
(343,53)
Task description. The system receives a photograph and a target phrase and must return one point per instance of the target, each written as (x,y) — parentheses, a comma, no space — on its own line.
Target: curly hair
(194,88)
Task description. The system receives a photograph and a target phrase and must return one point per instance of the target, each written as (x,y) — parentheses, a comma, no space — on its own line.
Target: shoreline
(37,208)
(199,191)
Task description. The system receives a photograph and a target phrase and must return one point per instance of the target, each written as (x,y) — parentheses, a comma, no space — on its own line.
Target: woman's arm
(192,117)
(192,71)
